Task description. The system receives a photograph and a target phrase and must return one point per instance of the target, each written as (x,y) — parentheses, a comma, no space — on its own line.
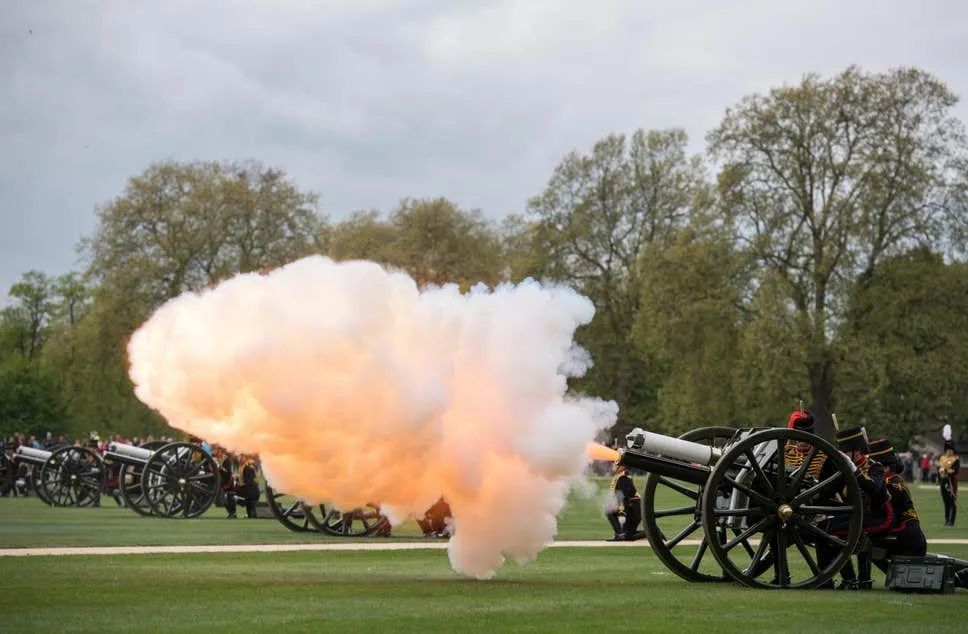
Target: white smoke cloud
(356,386)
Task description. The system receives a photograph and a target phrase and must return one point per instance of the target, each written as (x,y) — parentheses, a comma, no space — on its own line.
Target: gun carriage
(301,517)
(68,476)
(177,480)
(766,508)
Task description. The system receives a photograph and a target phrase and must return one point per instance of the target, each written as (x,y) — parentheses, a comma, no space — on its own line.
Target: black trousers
(950,505)
(249,493)
(633,517)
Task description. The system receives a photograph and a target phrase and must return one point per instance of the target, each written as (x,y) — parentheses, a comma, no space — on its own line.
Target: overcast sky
(366,102)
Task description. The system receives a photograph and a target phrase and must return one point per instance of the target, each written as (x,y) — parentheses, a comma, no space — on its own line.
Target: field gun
(177,479)
(777,508)
(67,476)
(302,517)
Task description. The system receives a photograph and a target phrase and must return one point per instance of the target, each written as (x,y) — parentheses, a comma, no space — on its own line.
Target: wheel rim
(294,514)
(131,485)
(360,522)
(180,480)
(668,527)
(72,476)
(781,509)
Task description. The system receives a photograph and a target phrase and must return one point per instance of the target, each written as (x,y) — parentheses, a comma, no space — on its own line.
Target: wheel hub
(785,511)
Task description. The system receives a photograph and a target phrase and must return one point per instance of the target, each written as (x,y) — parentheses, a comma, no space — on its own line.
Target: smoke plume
(356,386)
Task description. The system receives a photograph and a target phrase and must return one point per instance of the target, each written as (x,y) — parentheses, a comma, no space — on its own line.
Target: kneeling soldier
(906,536)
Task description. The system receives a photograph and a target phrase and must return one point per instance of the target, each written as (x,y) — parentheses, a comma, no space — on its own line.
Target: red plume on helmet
(802,420)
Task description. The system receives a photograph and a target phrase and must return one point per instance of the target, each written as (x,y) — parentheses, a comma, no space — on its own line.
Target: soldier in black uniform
(948,467)
(627,501)
(905,535)
(875,499)
(247,489)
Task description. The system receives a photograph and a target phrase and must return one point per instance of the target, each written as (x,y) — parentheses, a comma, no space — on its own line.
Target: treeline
(815,253)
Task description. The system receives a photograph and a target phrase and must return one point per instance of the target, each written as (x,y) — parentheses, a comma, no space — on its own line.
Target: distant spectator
(925,466)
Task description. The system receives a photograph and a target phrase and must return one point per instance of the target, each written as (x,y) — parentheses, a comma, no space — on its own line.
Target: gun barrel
(675,448)
(696,474)
(33,456)
(128,453)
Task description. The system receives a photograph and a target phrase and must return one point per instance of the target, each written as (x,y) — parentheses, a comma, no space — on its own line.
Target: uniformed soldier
(948,467)
(875,499)
(906,536)
(627,502)
(246,489)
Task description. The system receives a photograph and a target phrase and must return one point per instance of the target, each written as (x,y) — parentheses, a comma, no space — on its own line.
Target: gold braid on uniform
(901,492)
(947,465)
(612,486)
(794,458)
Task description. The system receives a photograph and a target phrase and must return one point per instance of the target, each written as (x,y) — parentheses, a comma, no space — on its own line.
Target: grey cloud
(368,102)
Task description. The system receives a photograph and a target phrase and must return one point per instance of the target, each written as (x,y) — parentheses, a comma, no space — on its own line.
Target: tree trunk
(821,392)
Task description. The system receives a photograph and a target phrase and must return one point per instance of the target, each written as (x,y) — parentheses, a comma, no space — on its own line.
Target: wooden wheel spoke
(745,543)
(801,471)
(675,486)
(703,545)
(680,510)
(780,465)
(821,534)
(756,495)
(760,551)
(781,565)
(763,523)
(805,553)
(758,470)
(815,489)
(746,512)
(825,510)
(681,535)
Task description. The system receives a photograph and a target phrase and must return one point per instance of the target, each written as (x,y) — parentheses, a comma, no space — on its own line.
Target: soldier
(906,535)
(627,501)
(247,490)
(878,515)
(948,467)
(434,521)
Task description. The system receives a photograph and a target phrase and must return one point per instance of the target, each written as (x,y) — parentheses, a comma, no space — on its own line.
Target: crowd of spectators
(21,480)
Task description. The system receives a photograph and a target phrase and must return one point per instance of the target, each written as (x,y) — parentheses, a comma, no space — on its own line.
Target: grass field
(565,589)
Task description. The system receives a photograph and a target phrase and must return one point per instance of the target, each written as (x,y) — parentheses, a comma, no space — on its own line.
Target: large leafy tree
(431,239)
(689,327)
(905,347)
(183,226)
(25,323)
(176,227)
(598,215)
(825,179)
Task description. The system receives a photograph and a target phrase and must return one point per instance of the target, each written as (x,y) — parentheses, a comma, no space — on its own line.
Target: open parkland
(253,575)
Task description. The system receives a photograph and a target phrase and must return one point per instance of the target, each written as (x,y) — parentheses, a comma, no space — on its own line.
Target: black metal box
(928,574)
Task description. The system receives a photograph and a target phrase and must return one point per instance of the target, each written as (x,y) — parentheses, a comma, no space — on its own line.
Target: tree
(825,179)
(431,239)
(176,227)
(30,401)
(26,321)
(591,227)
(184,226)
(689,327)
(905,347)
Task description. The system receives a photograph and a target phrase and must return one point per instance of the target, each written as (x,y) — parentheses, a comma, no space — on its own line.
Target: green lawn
(565,589)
